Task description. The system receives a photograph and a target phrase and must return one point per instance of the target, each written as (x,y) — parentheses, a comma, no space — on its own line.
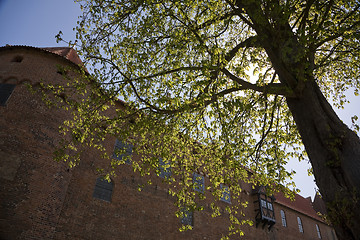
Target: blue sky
(36,22)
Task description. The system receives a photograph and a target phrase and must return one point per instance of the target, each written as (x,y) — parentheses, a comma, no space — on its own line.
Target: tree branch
(170,71)
(249,42)
(271,88)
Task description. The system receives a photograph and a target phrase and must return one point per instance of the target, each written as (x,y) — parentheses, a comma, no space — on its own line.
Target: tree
(184,67)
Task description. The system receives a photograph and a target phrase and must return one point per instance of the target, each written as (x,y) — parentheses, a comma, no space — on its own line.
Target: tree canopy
(220,87)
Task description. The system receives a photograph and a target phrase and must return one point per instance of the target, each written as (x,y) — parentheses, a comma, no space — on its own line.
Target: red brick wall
(33,186)
(42,199)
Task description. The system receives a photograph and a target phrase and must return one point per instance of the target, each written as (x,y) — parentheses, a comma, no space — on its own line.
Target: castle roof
(300,204)
(63,52)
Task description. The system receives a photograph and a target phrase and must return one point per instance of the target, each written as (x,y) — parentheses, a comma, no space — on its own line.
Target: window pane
(225,193)
(300,225)
(187,217)
(283,218)
(318,231)
(263,203)
(165,169)
(198,181)
(103,189)
(122,151)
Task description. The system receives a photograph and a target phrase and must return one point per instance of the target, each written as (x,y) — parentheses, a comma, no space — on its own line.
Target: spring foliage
(203,91)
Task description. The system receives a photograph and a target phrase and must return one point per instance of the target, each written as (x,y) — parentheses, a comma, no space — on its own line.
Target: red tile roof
(319,204)
(62,51)
(301,204)
(66,52)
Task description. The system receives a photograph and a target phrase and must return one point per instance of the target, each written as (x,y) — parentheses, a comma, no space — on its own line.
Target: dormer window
(265,210)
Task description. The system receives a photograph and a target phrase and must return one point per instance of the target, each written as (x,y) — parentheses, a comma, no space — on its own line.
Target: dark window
(164,168)
(318,231)
(61,70)
(265,210)
(198,181)
(283,218)
(225,193)
(103,189)
(301,229)
(123,151)
(187,217)
(17,59)
(5,92)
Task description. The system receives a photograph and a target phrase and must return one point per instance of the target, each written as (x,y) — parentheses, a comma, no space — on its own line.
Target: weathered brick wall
(42,199)
(33,186)
(132,214)
(291,231)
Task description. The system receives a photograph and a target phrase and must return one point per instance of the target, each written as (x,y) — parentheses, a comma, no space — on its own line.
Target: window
(198,181)
(270,206)
(103,189)
(225,197)
(187,217)
(123,151)
(264,208)
(283,218)
(267,208)
(318,231)
(5,92)
(165,169)
(300,225)
(17,59)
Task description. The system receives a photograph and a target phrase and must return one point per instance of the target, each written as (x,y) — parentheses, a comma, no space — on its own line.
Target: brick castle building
(44,199)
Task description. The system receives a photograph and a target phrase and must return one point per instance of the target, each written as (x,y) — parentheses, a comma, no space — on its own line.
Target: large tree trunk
(333,149)
(334,152)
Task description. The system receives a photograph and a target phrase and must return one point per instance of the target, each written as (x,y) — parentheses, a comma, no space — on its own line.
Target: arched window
(283,218)
(318,231)
(301,229)
(103,189)
(5,92)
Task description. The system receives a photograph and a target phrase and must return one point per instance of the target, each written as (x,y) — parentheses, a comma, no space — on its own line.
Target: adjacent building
(44,199)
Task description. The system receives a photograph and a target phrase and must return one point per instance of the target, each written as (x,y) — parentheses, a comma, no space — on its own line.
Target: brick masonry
(43,199)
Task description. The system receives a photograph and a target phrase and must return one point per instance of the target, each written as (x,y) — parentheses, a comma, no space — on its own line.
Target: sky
(36,22)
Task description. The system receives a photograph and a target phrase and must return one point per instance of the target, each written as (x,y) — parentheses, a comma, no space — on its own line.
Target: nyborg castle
(44,199)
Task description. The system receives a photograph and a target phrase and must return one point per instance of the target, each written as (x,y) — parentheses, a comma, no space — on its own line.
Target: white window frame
(283,218)
(301,229)
(318,231)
